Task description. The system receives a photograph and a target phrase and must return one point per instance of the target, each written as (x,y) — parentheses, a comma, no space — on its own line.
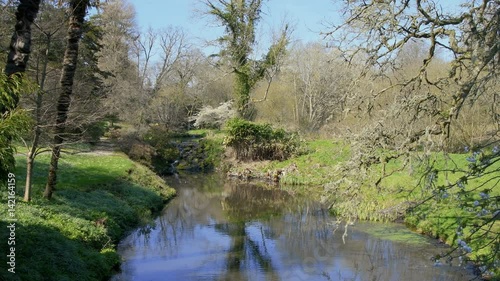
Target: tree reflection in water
(228,231)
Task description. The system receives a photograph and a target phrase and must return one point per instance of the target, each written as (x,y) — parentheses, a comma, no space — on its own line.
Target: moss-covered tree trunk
(242,88)
(76,20)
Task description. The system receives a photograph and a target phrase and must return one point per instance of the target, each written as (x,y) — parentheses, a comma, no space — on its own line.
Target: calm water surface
(216,230)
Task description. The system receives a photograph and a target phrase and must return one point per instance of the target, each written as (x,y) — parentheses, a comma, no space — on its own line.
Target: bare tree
(377,31)
(321,80)
(41,69)
(173,45)
(176,98)
(144,50)
(465,39)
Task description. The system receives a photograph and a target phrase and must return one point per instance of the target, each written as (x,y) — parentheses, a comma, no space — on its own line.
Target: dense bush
(95,131)
(165,151)
(252,141)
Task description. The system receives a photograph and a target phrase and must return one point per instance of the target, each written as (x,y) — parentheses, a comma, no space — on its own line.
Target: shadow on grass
(43,253)
(92,193)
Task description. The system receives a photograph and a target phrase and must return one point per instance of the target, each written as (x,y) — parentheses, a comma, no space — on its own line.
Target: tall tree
(240,18)
(121,80)
(78,10)
(47,34)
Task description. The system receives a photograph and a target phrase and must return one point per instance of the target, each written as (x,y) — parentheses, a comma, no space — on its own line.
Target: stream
(221,230)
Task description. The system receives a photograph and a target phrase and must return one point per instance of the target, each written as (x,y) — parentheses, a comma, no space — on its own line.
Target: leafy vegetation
(252,141)
(14,122)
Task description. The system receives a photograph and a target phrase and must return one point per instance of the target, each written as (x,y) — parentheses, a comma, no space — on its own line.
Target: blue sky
(305,16)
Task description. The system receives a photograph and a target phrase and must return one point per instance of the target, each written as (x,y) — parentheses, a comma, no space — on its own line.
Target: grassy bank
(99,198)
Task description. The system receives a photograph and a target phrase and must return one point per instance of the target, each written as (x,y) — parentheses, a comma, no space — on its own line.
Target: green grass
(68,149)
(215,135)
(61,238)
(315,167)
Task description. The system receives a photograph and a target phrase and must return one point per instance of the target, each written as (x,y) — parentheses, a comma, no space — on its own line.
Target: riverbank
(99,198)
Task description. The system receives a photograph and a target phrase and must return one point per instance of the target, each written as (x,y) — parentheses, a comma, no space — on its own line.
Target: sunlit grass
(316,166)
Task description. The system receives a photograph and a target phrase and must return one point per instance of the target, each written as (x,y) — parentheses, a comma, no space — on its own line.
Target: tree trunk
(76,20)
(29,176)
(242,90)
(30,157)
(20,43)
(19,48)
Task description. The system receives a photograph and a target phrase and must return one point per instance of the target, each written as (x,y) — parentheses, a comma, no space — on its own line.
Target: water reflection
(224,231)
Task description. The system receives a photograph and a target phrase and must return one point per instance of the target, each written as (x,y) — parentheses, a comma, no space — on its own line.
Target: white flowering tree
(214,118)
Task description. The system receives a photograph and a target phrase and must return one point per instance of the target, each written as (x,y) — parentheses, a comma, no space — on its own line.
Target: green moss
(394,233)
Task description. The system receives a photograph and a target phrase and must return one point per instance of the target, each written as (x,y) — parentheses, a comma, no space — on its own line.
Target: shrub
(95,131)
(142,153)
(252,141)
(214,118)
(166,152)
(127,139)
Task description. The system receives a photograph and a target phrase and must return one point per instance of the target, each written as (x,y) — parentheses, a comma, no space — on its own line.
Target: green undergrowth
(253,141)
(98,199)
(316,167)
